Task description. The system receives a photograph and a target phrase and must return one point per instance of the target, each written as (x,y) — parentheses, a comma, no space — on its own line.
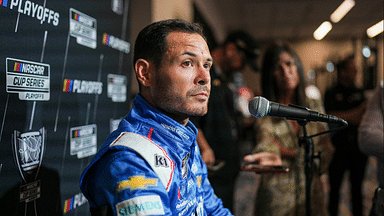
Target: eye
(207,66)
(290,63)
(187,64)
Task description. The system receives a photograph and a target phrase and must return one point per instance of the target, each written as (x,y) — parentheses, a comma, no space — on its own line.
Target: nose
(285,70)
(203,77)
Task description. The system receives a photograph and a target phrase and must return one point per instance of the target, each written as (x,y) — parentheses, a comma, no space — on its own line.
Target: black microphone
(260,107)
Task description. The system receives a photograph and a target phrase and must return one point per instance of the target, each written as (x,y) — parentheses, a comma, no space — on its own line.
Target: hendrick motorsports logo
(83,28)
(30,79)
(84,140)
(33,10)
(117,87)
(28,149)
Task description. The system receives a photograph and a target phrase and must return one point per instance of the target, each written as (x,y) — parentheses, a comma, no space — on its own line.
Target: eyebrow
(194,55)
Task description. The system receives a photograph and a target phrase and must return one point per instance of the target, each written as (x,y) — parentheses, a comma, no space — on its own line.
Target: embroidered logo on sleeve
(198,179)
(136,183)
(154,154)
(142,205)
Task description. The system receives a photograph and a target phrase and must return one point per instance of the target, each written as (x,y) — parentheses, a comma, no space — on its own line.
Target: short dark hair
(151,41)
(269,86)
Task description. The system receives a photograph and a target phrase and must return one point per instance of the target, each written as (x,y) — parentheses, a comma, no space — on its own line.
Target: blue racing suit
(151,165)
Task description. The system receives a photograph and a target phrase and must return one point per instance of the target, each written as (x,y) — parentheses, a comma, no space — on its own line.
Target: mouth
(201,95)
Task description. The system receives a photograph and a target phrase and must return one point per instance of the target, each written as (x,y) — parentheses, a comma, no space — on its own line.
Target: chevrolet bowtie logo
(198,178)
(136,183)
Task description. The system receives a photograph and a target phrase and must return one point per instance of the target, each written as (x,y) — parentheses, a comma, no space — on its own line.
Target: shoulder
(114,164)
(125,170)
(153,154)
(101,180)
(122,179)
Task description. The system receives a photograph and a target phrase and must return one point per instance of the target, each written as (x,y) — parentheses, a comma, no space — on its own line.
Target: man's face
(182,82)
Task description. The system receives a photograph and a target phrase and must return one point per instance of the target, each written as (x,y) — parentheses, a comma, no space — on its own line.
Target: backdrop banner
(65,68)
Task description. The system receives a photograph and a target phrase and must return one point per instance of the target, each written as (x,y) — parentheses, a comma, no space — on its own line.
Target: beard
(171,100)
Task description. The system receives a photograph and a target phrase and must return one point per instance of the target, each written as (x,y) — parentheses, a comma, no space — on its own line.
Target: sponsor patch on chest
(136,183)
(142,205)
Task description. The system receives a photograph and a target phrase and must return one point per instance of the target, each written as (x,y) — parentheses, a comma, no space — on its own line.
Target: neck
(287,97)
(182,119)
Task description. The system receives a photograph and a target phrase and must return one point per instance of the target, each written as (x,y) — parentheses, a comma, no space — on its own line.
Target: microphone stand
(307,142)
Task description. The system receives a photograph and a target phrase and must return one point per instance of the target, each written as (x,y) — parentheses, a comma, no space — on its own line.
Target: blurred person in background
(283,82)
(218,135)
(371,142)
(347,102)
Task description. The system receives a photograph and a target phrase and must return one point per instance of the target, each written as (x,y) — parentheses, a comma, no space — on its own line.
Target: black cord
(330,131)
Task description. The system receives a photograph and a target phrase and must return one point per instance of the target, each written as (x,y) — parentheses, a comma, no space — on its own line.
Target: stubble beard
(171,102)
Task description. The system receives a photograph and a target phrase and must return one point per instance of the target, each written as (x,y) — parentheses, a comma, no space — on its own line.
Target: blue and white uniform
(151,165)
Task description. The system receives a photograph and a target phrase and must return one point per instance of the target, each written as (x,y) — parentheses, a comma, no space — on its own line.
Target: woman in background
(283,82)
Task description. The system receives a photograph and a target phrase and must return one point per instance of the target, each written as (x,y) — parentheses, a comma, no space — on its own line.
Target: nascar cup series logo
(31,80)
(84,140)
(83,28)
(117,87)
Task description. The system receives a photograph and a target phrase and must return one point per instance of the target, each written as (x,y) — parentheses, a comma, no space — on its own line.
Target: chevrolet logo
(136,183)
(198,178)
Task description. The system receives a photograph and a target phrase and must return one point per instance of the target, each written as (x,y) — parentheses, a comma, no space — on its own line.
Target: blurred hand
(264,158)
(208,156)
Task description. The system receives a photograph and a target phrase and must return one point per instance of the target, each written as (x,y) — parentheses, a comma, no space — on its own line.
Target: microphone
(260,107)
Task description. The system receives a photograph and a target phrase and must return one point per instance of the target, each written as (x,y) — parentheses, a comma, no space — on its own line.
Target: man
(151,165)
(346,101)
(218,136)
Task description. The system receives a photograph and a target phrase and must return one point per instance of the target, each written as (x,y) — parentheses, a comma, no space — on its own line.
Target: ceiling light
(375,29)
(322,30)
(343,9)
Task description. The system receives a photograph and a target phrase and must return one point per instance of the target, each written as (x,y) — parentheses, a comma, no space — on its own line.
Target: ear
(143,73)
